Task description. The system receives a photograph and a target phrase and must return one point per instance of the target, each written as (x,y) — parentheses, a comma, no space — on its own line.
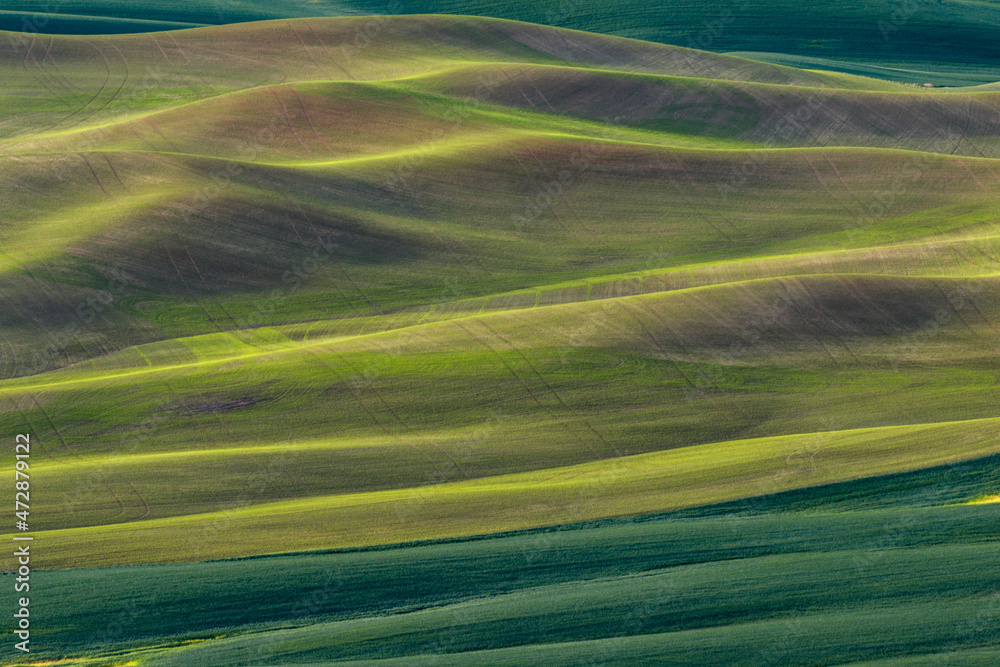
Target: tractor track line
(405,424)
(329,54)
(561,419)
(669,357)
(98,179)
(375,418)
(308,53)
(288,121)
(100,90)
(548,386)
(114,95)
(122,507)
(189,290)
(305,114)
(694,359)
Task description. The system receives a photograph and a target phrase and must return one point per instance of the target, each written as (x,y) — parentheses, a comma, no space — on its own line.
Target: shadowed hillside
(473,288)
(948,42)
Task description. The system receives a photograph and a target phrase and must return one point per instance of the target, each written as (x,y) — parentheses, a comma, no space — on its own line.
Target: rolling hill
(946,42)
(486,305)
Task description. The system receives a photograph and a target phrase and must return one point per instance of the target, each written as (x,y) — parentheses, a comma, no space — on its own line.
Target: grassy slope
(150,182)
(776,310)
(504,381)
(951,74)
(844,36)
(801,569)
(519,316)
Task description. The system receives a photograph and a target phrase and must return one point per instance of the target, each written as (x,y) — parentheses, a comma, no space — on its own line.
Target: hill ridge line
(366,442)
(4,390)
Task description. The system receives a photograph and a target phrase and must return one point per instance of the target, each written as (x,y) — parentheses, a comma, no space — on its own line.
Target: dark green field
(881,560)
(438,339)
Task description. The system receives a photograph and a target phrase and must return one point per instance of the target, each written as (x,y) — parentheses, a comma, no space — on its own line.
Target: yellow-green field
(466,289)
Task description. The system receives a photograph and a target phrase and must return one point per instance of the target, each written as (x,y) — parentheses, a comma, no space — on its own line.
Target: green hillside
(508,344)
(670,587)
(946,42)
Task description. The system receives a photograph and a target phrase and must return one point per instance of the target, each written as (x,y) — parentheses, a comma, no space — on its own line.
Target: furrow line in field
(562,420)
